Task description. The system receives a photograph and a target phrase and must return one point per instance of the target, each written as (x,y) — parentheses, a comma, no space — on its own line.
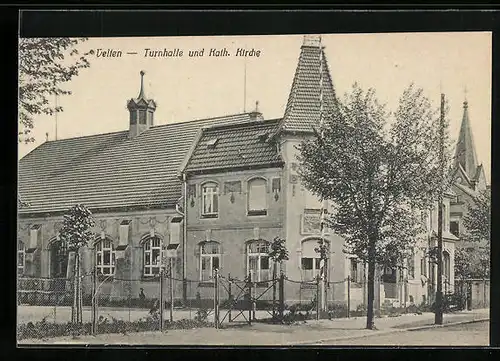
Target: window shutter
(257,195)
(34,234)
(175,231)
(124,233)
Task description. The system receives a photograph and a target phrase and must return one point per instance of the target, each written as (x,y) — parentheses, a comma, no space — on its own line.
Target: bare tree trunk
(274,288)
(370,324)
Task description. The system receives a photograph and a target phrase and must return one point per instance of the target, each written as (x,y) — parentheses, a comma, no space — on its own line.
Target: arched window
(257,197)
(311,263)
(105,257)
(20,258)
(446,265)
(210,254)
(210,200)
(258,260)
(152,256)
(58,259)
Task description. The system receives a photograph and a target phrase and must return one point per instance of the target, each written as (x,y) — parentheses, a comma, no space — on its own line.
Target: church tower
(468,172)
(141,111)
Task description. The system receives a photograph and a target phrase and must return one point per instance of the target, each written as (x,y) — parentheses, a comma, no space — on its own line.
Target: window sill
(209,216)
(257,213)
(206,284)
(150,278)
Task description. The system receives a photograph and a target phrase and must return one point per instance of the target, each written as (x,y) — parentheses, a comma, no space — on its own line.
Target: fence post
(161,300)
(73,308)
(317,297)
(254,296)
(171,285)
(80,291)
(484,293)
(348,296)
(249,298)
(229,296)
(282,296)
(92,302)
(216,298)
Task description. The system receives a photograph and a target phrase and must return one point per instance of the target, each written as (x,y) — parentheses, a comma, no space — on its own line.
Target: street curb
(418,328)
(388,331)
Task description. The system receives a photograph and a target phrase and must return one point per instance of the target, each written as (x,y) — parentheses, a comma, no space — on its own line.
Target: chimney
(256,114)
(141,112)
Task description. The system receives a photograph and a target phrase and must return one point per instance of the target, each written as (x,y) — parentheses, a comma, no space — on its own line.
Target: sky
(188,88)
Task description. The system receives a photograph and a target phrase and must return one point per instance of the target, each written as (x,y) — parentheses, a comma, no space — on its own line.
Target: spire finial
(257,106)
(466,103)
(141,92)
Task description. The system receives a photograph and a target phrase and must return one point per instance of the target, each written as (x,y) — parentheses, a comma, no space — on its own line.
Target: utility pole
(438,316)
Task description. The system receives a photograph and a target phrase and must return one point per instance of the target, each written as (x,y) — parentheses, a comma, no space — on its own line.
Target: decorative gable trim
(189,154)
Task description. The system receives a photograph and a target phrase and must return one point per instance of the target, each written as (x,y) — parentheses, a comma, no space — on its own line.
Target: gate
(244,299)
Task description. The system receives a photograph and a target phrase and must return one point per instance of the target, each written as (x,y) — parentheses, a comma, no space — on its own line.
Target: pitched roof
(303,106)
(465,152)
(235,146)
(110,170)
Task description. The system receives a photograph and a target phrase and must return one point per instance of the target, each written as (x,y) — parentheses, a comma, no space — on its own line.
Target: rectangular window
(307,264)
(258,260)
(310,268)
(210,206)
(209,260)
(276,185)
(454,228)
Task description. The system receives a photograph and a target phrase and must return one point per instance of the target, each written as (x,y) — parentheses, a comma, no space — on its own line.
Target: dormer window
(211,143)
(263,137)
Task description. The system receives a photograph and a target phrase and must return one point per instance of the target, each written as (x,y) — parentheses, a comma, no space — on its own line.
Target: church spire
(465,153)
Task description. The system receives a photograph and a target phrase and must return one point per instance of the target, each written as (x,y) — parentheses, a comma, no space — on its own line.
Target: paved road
(471,334)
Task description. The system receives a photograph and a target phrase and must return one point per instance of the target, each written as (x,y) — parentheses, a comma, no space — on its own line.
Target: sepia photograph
(277,190)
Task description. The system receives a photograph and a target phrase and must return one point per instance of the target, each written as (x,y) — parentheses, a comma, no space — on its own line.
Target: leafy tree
(477,221)
(76,232)
(278,253)
(474,262)
(379,169)
(45,64)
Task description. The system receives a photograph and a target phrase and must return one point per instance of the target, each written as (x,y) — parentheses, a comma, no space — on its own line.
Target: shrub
(43,329)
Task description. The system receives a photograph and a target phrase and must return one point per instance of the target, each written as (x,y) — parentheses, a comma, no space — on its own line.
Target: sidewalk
(265,334)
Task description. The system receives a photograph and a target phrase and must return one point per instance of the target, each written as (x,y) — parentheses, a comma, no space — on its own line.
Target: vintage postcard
(314,189)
